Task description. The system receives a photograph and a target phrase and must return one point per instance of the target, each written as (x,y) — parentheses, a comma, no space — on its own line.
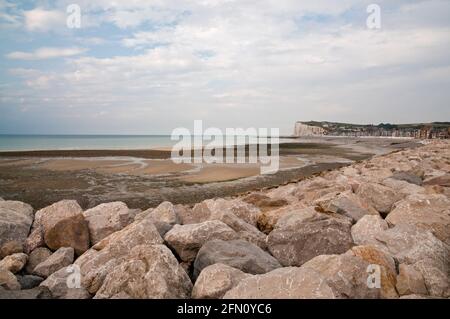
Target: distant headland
(435,130)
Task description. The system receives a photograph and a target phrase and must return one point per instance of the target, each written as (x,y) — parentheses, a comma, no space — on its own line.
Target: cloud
(44,20)
(45,53)
(262,63)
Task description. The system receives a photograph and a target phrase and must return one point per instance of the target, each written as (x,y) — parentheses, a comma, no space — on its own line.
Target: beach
(144,178)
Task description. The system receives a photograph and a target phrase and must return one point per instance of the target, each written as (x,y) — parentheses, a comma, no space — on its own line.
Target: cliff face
(307,130)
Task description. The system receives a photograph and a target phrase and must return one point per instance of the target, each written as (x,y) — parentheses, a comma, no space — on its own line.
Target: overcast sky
(149,66)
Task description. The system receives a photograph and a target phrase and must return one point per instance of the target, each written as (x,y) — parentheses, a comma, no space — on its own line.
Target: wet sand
(144,178)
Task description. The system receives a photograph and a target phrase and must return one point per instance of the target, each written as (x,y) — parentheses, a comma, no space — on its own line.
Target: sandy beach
(143,178)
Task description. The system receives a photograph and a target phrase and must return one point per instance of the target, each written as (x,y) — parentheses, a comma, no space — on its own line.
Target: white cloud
(43,20)
(45,53)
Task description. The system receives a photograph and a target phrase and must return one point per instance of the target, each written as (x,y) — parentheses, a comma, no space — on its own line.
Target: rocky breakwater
(376,229)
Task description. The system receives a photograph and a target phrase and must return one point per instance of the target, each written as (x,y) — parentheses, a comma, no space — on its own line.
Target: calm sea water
(84,142)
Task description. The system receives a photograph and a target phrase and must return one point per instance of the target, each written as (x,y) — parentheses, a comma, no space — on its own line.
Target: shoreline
(145,178)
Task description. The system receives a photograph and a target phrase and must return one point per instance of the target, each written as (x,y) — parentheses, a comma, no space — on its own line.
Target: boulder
(15,221)
(265,202)
(62,286)
(408,177)
(29,281)
(36,257)
(14,263)
(149,272)
(283,283)
(215,280)
(365,230)
(164,217)
(186,215)
(346,275)
(60,225)
(268,219)
(239,254)
(105,219)
(103,257)
(245,211)
(29,294)
(410,281)
(443,180)
(8,280)
(422,250)
(348,204)
(298,238)
(402,187)
(380,197)
(244,230)
(63,257)
(186,240)
(430,212)
(9,248)
(376,256)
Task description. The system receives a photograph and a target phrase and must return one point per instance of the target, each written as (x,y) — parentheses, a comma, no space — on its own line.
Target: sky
(150,66)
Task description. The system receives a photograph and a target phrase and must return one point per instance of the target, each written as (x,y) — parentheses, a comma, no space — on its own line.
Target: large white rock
(15,221)
(430,212)
(148,272)
(283,283)
(110,252)
(105,219)
(186,240)
(365,230)
(63,257)
(380,197)
(215,280)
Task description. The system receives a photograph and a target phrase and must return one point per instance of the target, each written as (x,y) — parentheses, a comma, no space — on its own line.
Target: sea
(90,142)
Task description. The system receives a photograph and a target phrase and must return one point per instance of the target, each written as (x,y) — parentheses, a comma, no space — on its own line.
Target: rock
(36,257)
(10,248)
(298,238)
(346,275)
(430,212)
(105,219)
(402,187)
(264,202)
(35,293)
(186,215)
(14,263)
(422,250)
(63,225)
(63,257)
(62,286)
(239,208)
(410,281)
(408,177)
(443,180)
(215,280)
(380,197)
(164,217)
(186,240)
(283,283)
(103,257)
(268,219)
(244,230)
(149,272)
(239,254)
(365,230)
(15,221)
(8,280)
(350,205)
(29,281)
(376,256)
